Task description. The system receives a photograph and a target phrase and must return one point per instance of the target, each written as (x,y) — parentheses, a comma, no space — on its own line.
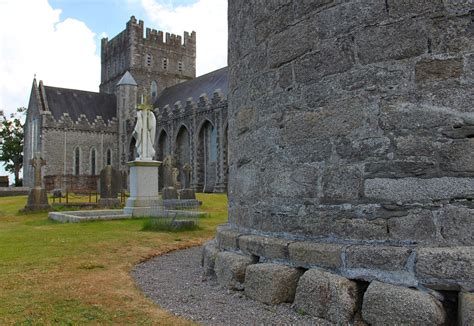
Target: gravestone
(169,190)
(187,192)
(109,187)
(174,176)
(37,198)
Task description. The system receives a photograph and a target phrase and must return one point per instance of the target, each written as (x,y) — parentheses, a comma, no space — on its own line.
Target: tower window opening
(153,89)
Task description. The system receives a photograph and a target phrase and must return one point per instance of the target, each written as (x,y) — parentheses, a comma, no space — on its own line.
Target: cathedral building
(80,132)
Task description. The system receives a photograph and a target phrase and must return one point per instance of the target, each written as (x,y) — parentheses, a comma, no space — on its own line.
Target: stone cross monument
(144,198)
(37,162)
(37,198)
(187,192)
(187,169)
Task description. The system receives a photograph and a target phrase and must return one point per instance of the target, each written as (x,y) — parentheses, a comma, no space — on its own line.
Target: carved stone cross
(37,162)
(168,165)
(187,169)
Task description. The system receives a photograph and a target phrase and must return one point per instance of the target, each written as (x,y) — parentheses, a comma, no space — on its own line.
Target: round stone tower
(351,158)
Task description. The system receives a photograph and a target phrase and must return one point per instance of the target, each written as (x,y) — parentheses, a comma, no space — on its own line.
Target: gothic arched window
(77,161)
(153,89)
(93,161)
(109,157)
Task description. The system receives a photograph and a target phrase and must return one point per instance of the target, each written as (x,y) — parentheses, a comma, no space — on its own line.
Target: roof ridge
(76,90)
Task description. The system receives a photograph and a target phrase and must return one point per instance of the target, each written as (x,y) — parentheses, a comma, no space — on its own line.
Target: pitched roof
(127,79)
(76,102)
(194,88)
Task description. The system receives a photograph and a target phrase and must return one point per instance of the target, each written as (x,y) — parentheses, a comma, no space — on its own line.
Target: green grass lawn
(69,274)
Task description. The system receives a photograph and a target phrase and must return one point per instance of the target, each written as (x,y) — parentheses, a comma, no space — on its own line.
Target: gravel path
(174,281)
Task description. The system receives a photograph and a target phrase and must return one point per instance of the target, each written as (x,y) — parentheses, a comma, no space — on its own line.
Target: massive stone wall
(351,138)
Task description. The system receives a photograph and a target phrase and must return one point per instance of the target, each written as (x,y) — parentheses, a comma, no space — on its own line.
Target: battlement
(150,35)
(159,37)
(133,22)
(82,124)
(163,56)
(192,106)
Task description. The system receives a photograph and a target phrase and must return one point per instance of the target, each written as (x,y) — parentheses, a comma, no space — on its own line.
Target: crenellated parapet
(150,55)
(169,39)
(81,124)
(192,107)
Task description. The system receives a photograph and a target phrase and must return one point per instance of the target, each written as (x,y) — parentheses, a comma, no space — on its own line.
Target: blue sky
(110,16)
(59,40)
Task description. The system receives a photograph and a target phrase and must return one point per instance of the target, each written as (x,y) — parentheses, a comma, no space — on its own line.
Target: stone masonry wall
(351,146)
(60,138)
(193,116)
(353,120)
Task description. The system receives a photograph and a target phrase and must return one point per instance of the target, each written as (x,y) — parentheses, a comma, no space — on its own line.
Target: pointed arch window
(93,161)
(109,157)
(153,89)
(77,161)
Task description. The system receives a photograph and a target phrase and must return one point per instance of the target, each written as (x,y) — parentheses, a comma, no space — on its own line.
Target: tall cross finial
(145,105)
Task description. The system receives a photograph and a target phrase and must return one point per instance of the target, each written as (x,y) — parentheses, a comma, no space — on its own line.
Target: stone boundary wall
(72,183)
(14,191)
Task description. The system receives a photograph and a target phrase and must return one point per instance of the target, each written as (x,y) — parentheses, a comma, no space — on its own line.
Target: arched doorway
(206,157)
(183,150)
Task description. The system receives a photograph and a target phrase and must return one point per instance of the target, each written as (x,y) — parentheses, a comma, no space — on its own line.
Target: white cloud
(33,40)
(207,17)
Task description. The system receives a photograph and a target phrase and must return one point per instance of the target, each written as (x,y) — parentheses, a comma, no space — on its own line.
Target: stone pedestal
(144,199)
(37,200)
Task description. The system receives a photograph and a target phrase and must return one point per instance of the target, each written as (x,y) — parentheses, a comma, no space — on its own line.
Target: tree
(11,143)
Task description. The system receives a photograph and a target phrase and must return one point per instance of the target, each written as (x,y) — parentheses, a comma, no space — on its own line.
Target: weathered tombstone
(110,186)
(37,198)
(187,192)
(174,176)
(169,190)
